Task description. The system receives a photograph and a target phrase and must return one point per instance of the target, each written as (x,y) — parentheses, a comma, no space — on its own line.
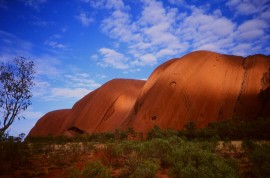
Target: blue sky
(78,45)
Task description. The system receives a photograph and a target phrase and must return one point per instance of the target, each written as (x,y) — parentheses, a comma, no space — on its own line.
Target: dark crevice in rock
(264,94)
(75,131)
(137,106)
(172,84)
(109,112)
(245,75)
(154,118)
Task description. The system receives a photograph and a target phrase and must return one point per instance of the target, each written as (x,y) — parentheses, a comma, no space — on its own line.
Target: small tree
(16,81)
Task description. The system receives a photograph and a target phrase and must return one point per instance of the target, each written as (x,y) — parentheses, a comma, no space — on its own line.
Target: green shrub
(157,149)
(191,161)
(13,154)
(146,169)
(72,172)
(156,132)
(259,156)
(95,170)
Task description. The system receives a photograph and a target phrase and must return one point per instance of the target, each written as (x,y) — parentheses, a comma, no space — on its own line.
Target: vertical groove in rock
(108,112)
(264,92)
(245,75)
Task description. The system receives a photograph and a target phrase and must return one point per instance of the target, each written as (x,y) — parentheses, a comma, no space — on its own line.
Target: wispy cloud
(108,4)
(31,114)
(161,31)
(81,80)
(85,19)
(14,46)
(56,45)
(252,29)
(248,7)
(40,22)
(64,93)
(48,66)
(112,58)
(34,3)
(70,86)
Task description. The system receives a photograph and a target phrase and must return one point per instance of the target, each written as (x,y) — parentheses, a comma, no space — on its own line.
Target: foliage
(146,169)
(182,157)
(259,155)
(13,153)
(96,170)
(91,170)
(72,173)
(235,129)
(156,132)
(191,160)
(16,81)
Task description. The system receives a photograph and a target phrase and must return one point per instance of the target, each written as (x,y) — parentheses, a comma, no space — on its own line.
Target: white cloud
(101,76)
(252,29)
(84,19)
(55,44)
(207,31)
(34,3)
(146,59)
(252,25)
(48,66)
(81,80)
(29,114)
(41,88)
(73,86)
(64,29)
(118,26)
(14,46)
(248,7)
(75,93)
(108,4)
(166,32)
(153,32)
(241,49)
(266,15)
(178,2)
(113,59)
(94,57)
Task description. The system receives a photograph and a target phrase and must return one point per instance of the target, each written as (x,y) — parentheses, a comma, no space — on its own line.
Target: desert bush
(72,172)
(146,169)
(234,129)
(95,170)
(259,155)
(120,135)
(114,154)
(156,132)
(157,149)
(13,153)
(191,160)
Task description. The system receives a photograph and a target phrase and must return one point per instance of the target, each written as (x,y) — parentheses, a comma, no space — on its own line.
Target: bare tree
(16,81)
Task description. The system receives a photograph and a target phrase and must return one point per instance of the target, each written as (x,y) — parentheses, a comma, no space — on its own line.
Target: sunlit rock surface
(203,87)
(104,109)
(200,87)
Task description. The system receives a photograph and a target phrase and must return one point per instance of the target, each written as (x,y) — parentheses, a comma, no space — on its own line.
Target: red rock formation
(200,87)
(104,109)
(52,123)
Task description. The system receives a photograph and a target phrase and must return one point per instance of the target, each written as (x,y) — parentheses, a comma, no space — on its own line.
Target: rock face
(52,123)
(104,109)
(203,87)
(200,87)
